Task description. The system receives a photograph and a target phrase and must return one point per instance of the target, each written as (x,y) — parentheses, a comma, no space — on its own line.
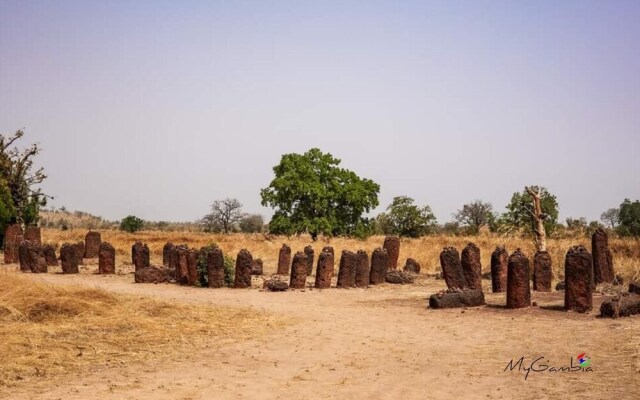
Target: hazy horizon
(157,109)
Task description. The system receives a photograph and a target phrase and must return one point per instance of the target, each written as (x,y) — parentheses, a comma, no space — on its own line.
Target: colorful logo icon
(584,360)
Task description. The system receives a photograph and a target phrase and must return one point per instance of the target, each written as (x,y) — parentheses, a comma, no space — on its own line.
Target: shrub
(131,224)
(229,270)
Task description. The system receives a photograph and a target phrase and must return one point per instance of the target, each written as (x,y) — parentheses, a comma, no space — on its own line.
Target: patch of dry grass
(47,330)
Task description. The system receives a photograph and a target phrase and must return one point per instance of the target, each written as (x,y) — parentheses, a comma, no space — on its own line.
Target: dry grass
(426,250)
(47,330)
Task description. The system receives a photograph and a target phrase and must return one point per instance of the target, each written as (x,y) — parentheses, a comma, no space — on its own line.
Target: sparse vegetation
(131,224)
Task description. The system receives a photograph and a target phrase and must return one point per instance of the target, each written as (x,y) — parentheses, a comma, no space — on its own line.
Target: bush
(202,264)
(229,270)
(131,224)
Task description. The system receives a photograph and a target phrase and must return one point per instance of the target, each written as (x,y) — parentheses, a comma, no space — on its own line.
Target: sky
(158,108)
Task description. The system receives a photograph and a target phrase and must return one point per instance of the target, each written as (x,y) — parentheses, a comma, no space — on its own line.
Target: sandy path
(379,343)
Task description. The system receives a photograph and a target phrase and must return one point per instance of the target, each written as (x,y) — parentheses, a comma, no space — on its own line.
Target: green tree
(474,215)
(404,218)
(520,211)
(311,193)
(251,223)
(131,224)
(629,218)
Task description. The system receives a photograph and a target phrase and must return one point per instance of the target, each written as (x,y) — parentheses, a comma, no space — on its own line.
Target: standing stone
(192,267)
(284,260)
(392,245)
(542,272)
(215,268)
(243,270)
(69,258)
(16,247)
(518,285)
(308,250)
(412,266)
(33,234)
(50,255)
(379,262)
(324,273)
(11,243)
(299,271)
(257,268)
(31,257)
(347,271)
(452,268)
(166,254)
(106,259)
(363,269)
(80,251)
(499,264)
(140,255)
(92,244)
(472,266)
(602,259)
(330,250)
(182,264)
(578,278)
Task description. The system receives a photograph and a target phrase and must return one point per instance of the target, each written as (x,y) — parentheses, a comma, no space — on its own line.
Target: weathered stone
(308,250)
(347,269)
(33,234)
(457,298)
(193,277)
(379,263)
(518,284)
(399,277)
(11,243)
(330,250)
(499,264)
(363,269)
(284,260)
(392,245)
(634,287)
(412,266)
(31,257)
(140,255)
(106,258)
(602,258)
(542,272)
(560,285)
(153,274)
(80,251)
(69,258)
(275,285)
(50,255)
(299,271)
(23,256)
(257,268)
(18,239)
(324,273)
(618,280)
(243,270)
(472,266)
(578,277)
(92,244)
(166,254)
(624,305)
(215,268)
(182,265)
(452,268)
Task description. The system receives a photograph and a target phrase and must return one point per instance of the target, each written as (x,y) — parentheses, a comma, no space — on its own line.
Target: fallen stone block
(625,305)
(455,298)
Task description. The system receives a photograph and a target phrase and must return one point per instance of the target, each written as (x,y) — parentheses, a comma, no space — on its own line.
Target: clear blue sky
(158,108)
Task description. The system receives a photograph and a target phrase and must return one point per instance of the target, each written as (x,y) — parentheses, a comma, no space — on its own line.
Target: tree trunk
(540,238)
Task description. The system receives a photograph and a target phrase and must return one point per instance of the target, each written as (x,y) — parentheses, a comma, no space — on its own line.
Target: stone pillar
(452,268)
(499,264)
(602,258)
(33,234)
(308,250)
(31,257)
(166,254)
(80,250)
(324,273)
(392,245)
(578,278)
(347,271)
(182,264)
(140,255)
(379,263)
(299,271)
(92,244)
(215,268)
(243,270)
(193,277)
(50,255)
(284,260)
(106,258)
(363,269)
(542,272)
(330,250)
(11,243)
(518,285)
(412,266)
(69,258)
(472,266)
(257,268)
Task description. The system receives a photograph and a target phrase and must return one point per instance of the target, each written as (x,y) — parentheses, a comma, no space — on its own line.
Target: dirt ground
(376,343)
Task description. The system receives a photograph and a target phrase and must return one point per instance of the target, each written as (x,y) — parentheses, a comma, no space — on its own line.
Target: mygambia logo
(584,360)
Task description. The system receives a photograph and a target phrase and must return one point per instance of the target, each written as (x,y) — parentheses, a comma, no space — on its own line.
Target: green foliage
(311,193)
(131,224)
(7,211)
(475,215)
(229,270)
(404,218)
(203,271)
(251,223)
(629,218)
(520,208)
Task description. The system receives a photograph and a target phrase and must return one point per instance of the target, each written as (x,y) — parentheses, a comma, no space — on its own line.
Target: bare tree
(474,215)
(611,217)
(224,213)
(540,239)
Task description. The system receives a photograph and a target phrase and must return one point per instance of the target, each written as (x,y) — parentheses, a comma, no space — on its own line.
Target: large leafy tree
(404,218)
(629,218)
(311,193)
(474,215)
